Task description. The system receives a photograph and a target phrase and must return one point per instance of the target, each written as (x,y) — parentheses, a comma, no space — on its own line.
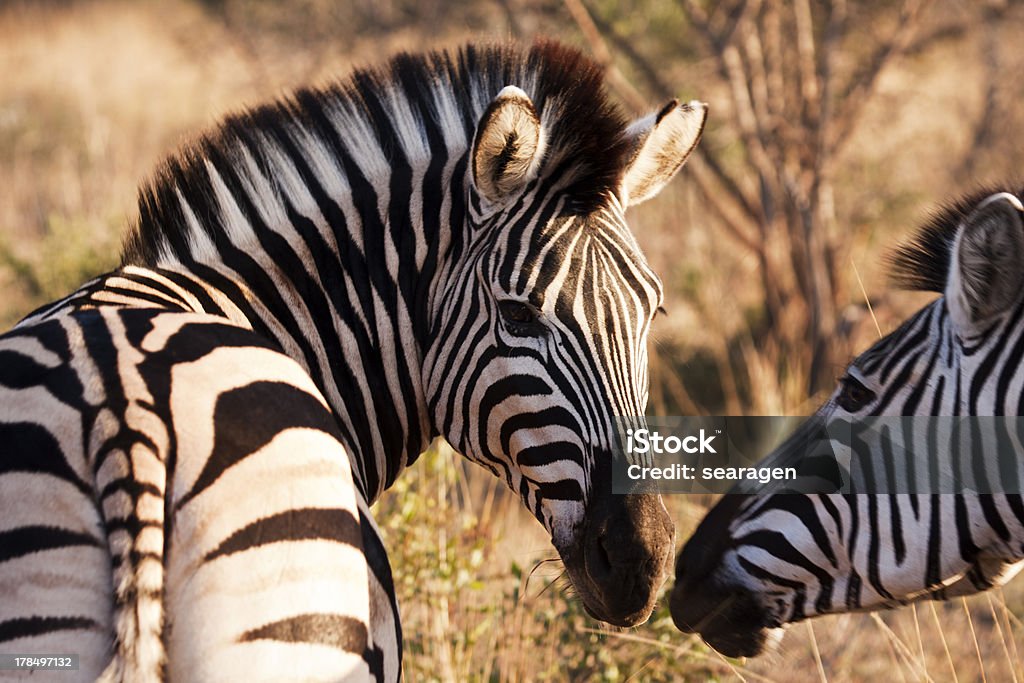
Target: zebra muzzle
(621,558)
(729,618)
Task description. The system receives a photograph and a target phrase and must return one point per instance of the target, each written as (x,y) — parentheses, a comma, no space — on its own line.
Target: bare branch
(835,30)
(716,39)
(627,47)
(951,31)
(755,60)
(702,157)
(732,21)
(958,28)
(730,184)
(806,59)
(603,55)
(750,130)
(860,89)
(713,201)
(696,15)
(984,127)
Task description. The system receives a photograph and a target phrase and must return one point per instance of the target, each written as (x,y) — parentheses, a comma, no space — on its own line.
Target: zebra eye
(853,395)
(520,318)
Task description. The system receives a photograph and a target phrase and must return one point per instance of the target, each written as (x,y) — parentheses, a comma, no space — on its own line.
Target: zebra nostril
(599,565)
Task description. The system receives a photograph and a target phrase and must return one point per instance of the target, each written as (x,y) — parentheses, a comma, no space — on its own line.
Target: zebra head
(763,560)
(540,326)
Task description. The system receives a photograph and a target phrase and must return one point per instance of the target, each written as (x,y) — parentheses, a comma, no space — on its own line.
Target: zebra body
(227,588)
(760,561)
(311,295)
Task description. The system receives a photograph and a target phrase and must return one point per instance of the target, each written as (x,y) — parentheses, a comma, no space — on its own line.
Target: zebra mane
(414,105)
(922,264)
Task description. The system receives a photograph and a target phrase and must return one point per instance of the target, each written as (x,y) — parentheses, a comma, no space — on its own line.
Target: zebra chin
(621,557)
(730,620)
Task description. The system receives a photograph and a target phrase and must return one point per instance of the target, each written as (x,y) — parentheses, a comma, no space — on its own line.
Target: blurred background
(834,128)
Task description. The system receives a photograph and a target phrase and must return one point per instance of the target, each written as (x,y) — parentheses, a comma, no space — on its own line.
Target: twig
(945,645)
(898,646)
(1002,636)
(871,310)
(861,88)
(816,652)
(974,636)
(599,48)
(920,640)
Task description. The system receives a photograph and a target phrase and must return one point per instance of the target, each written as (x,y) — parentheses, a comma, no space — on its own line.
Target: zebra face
(540,342)
(760,561)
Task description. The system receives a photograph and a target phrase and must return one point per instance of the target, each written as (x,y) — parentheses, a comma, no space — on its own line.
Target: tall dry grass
(93,94)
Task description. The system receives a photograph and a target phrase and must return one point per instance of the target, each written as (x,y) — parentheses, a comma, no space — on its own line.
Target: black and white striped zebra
(760,561)
(312,293)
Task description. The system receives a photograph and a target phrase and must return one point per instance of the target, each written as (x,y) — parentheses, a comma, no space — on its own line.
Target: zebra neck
(340,270)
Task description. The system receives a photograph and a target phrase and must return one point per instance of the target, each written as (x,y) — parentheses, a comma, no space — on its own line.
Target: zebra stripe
(311,294)
(780,558)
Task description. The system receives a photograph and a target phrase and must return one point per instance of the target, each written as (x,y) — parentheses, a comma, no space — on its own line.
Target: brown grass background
(94,94)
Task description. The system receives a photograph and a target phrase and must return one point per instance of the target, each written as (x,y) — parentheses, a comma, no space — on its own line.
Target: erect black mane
(586,131)
(922,264)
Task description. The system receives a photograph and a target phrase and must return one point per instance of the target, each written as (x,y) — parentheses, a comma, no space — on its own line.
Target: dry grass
(94,94)
(479,604)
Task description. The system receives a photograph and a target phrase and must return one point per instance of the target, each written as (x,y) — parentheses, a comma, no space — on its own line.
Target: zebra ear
(508,146)
(661,144)
(985,275)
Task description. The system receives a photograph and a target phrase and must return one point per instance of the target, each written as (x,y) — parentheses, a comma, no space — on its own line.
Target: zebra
(312,293)
(759,561)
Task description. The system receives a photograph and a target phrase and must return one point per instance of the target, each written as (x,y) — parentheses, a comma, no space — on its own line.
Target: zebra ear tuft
(985,276)
(508,146)
(661,144)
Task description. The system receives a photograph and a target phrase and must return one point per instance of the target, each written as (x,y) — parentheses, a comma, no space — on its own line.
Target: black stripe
(293,525)
(132,487)
(564,489)
(798,588)
(196,289)
(779,546)
(377,560)
(968,549)
(31,448)
(980,380)
(33,539)
(27,627)
(248,418)
(148,280)
(137,299)
(932,574)
(874,548)
(803,508)
(332,630)
(134,558)
(20,371)
(231,290)
(547,453)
